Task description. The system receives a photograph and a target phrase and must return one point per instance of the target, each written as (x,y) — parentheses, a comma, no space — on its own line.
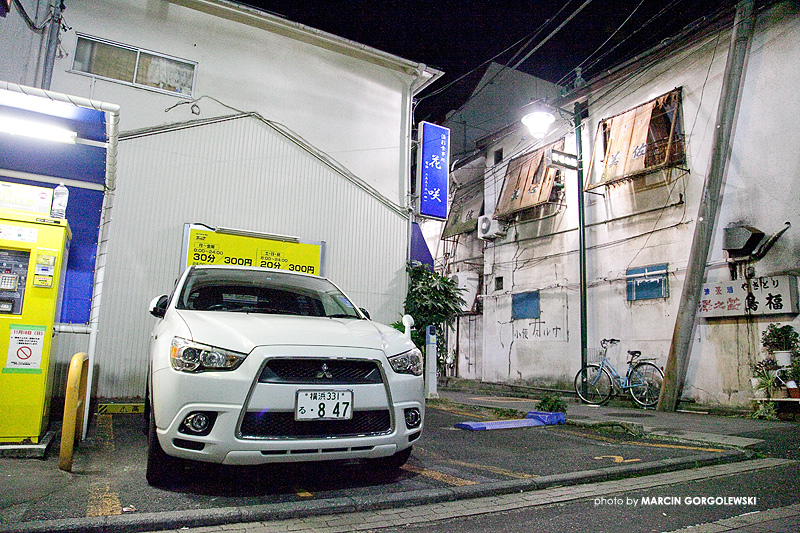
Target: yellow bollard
(72,425)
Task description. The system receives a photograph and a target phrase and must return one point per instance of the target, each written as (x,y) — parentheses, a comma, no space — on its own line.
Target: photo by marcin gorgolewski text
(674,501)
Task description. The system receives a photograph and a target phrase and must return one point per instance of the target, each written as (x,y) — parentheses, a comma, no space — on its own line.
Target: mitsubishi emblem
(324,372)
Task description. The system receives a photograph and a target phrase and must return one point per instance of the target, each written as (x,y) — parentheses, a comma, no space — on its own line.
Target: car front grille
(321,371)
(283,425)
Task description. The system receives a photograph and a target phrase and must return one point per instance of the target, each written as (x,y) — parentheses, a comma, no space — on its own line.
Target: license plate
(324,405)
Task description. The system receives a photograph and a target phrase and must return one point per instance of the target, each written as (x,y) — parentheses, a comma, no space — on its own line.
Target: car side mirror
(365,313)
(158,306)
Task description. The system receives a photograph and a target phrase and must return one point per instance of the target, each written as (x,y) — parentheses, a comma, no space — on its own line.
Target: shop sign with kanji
(775,295)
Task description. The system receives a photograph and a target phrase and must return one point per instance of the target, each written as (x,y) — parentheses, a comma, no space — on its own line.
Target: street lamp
(538,123)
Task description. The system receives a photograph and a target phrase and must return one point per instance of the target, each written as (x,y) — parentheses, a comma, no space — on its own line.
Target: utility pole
(581,237)
(52,44)
(678,360)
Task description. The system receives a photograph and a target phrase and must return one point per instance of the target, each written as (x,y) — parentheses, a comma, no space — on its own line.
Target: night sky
(459,36)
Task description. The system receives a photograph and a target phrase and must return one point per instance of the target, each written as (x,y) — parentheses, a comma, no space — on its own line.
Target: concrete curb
(280,511)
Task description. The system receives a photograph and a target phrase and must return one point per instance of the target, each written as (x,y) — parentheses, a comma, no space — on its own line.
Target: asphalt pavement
(106,489)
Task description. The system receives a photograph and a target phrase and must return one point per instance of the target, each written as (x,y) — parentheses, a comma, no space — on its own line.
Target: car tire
(161,468)
(146,421)
(392,463)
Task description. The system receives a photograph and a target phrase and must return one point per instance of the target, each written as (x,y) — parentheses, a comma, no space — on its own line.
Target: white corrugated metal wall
(238,173)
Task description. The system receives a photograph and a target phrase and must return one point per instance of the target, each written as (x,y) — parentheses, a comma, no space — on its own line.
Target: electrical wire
(30,23)
(569,18)
(705,82)
(564,77)
(505,68)
(528,38)
(691,29)
(644,25)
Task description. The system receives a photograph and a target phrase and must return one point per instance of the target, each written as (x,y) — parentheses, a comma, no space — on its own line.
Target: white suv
(252,366)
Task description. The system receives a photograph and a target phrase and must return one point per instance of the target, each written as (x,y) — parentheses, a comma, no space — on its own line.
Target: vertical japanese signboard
(433,165)
(774,295)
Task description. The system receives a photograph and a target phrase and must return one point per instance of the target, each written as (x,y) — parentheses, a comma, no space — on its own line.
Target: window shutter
(638,144)
(528,182)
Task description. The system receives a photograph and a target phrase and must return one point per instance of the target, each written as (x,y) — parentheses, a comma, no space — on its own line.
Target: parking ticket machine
(33,258)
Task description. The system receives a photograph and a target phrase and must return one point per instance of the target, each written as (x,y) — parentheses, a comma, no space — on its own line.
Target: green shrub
(552,403)
(765,411)
(432,300)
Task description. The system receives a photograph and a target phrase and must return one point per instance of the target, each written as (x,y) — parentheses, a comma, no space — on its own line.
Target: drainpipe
(678,359)
(416,85)
(52,44)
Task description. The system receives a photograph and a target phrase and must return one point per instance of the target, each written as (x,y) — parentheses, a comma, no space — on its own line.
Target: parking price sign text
(207,247)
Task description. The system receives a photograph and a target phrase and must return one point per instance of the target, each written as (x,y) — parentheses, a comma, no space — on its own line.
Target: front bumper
(237,398)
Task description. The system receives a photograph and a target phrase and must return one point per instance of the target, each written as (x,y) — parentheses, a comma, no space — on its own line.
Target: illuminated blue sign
(433,170)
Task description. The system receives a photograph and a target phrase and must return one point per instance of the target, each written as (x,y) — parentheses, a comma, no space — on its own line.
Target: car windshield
(256,291)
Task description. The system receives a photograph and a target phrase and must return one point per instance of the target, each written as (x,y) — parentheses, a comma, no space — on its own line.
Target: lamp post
(538,122)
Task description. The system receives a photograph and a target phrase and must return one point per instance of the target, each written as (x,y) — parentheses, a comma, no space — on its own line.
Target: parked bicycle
(595,383)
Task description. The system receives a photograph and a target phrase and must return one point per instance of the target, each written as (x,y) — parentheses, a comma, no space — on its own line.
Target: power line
(564,77)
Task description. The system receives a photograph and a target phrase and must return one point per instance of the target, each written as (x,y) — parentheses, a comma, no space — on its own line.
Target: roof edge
(265,20)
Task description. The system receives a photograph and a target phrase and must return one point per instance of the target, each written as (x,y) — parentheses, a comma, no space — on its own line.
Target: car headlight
(409,362)
(188,356)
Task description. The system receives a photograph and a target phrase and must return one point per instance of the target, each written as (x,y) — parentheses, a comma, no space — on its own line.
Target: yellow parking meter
(33,258)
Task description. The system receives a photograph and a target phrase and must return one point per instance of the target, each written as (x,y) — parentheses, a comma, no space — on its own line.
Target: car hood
(242,332)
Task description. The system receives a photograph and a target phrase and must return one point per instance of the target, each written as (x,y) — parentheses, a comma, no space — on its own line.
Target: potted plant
(764,377)
(793,375)
(781,342)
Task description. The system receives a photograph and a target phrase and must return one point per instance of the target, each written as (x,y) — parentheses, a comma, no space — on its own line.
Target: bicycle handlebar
(607,342)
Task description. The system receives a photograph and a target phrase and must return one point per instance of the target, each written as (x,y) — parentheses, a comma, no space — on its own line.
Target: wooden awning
(528,182)
(645,138)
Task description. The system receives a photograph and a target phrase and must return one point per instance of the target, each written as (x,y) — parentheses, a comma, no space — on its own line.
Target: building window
(498,156)
(498,283)
(641,140)
(647,283)
(528,182)
(134,66)
(525,305)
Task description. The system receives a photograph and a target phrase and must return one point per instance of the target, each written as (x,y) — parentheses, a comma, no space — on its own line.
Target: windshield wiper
(342,315)
(265,310)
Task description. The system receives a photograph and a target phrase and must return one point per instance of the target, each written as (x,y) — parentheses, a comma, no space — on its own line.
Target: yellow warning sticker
(118,408)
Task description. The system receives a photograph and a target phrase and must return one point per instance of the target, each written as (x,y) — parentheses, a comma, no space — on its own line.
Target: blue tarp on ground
(533,418)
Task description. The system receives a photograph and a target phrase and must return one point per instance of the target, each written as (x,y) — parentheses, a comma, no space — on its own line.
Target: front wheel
(645,384)
(162,469)
(593,385)
(391,464)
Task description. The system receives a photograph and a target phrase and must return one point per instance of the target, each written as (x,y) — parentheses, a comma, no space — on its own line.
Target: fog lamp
(413,418)
(198,423)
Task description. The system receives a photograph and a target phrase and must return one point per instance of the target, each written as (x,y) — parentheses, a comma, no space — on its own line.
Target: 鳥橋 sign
(758,296)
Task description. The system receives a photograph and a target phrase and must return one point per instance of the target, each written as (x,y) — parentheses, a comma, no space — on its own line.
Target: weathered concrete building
(647,132)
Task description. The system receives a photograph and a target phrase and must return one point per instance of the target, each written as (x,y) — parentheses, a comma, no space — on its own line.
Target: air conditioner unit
(489,228)
(467,281)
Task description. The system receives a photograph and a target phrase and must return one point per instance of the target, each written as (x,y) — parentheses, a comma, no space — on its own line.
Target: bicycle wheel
(645,384)
(593,384)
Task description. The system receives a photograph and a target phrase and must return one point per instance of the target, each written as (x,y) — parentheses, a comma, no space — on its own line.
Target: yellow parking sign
(222,246)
